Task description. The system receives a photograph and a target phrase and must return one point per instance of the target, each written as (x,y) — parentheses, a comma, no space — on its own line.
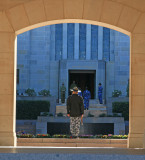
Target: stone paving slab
(68,157)
(71,154)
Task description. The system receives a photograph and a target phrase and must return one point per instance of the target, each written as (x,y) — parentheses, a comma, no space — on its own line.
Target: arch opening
(73,71)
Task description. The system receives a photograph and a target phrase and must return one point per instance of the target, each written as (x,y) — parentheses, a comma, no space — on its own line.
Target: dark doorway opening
(82,79)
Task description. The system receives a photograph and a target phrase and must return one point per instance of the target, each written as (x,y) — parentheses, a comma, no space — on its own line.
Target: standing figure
(75,110)
(79,92)
(72,86)
(62,90)
(87,96)
(100,89)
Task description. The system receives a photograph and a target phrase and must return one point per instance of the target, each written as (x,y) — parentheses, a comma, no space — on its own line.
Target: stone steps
(93,110)
(95,101)
(97,106)
(98,109)
(95,113)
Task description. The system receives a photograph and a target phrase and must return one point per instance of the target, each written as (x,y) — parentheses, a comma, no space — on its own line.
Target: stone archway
(127,16)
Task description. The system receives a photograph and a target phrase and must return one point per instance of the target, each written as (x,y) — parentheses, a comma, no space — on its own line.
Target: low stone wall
(119,125)
(64,142)
(26,126)
(39,126)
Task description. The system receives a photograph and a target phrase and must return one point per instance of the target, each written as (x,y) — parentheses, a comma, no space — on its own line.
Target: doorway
(82,79)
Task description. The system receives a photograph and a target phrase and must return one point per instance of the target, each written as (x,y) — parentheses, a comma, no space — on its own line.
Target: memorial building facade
(62,53)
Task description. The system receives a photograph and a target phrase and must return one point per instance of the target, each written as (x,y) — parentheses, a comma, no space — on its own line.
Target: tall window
(58,41)
(82,37)
(106,44)
(94,42)
(70,40)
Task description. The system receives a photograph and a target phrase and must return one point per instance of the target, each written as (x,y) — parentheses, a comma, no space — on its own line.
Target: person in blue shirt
(100,90)
(87,96)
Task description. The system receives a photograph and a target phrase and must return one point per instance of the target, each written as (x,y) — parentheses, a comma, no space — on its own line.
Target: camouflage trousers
(75,125)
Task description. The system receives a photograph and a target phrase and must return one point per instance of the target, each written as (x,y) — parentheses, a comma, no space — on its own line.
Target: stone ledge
(65,142)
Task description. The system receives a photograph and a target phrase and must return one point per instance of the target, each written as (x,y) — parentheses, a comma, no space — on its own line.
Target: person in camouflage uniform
(62,90)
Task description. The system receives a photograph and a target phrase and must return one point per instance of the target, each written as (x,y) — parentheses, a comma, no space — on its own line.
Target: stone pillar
(52,43)
(100,43)
(76,42)
(7,89)
(64,49)
(88,42)
(137,91)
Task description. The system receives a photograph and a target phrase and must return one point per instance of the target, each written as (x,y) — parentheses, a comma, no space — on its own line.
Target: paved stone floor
(43,153)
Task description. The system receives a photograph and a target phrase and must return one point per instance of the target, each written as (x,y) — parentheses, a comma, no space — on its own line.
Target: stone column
(137,91)
(76,42)
(7,89)
(64,49)
(52,43)
(88,42)
(100,43)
